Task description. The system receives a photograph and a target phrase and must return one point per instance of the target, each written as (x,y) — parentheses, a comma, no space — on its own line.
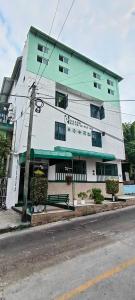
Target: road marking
(103,276)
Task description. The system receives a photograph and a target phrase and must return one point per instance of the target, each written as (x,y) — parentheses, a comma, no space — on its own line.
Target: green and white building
(89,149)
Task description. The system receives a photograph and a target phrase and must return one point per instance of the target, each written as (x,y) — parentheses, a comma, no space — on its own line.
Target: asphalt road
(87,258)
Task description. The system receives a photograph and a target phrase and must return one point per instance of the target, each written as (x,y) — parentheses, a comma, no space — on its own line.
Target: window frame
(58,135)
(64,168)
(111,92)
(110,82)
(63,58)
(97,85)
(63,69)
(96,142)
(102,167)
(57,94)
(96,75)
(44,48)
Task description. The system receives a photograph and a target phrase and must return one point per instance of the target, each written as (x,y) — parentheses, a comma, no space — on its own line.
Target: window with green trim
(63,58)
(63,70)
(64,168)
(96,139)
(60,131)
(97,112)
(106,169)
(61,100)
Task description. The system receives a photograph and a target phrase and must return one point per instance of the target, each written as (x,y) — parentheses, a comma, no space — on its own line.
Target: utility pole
(27,162)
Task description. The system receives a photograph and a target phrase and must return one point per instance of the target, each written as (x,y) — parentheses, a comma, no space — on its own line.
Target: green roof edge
(36,31)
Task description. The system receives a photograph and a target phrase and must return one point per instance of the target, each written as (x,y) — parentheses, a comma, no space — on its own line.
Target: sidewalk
(11,220)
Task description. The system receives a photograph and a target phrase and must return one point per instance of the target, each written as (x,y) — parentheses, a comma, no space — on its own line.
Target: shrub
(112,186)
(38,190)
(82,195)
(97,196)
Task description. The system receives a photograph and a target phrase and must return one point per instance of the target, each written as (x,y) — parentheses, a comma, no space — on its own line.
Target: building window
(64,168)
(63,58)
(97,85)
(96,75)
(111,92)
(43,48)
(97,112)
(109,82)
(61,100)
(60,131)
(96,139)
(42,60)
(63,70)
(106,169)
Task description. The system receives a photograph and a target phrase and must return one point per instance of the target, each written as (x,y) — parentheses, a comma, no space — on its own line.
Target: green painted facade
(81,69)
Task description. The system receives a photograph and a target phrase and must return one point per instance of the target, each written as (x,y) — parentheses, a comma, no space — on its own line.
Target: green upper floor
(64,65)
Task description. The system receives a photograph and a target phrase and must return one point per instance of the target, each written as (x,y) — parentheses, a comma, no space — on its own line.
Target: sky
(103,30)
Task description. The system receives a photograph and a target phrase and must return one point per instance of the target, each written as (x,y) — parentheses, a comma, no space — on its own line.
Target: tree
(129,139)
(4,151)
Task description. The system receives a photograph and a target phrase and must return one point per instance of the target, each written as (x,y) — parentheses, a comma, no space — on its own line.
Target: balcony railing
(104,178)
(5,122)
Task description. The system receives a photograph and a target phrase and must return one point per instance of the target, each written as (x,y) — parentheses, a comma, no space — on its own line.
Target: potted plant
(112,187)
(38,192)
(97,196)
(68,179)
(83,196)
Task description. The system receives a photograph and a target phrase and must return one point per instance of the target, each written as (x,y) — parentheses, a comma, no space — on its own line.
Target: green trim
(41,34)
(63,181)
(85,153)
(6,126)
(45,154)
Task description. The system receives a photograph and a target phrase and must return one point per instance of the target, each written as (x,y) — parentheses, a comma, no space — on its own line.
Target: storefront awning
(45,154)
(84,153)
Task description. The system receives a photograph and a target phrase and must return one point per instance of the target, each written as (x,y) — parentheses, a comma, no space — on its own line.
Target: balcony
(5,121)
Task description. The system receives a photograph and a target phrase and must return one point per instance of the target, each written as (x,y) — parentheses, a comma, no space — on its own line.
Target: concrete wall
(77,187)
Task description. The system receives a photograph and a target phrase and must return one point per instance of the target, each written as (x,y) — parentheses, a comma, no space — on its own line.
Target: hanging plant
(68,179)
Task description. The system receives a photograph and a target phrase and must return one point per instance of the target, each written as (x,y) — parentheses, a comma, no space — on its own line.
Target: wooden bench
(61,198)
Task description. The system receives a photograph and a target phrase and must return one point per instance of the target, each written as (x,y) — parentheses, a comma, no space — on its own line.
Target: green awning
(45,154)
(84,153)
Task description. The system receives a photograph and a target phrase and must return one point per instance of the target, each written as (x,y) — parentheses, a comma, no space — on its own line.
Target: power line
(11,95)
(76,101)
(85,123)
(49,34)
(57,39)
(90,100)
(115,111)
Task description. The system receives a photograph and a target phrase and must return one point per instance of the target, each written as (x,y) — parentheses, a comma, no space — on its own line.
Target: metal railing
(3,192)
(104,178)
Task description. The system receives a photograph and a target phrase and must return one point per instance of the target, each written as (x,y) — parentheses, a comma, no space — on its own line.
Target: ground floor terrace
(67,172)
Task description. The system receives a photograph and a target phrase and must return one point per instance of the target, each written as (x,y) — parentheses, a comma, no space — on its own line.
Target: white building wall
(44,127)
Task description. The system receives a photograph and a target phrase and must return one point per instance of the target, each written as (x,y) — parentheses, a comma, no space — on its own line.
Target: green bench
(54,199)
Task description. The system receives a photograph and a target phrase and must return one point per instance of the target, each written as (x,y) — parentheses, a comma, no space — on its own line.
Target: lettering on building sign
(77,127)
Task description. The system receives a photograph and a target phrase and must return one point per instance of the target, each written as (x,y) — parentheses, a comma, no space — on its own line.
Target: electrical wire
(49,34)
(85,123)
(57,39)
(13,95)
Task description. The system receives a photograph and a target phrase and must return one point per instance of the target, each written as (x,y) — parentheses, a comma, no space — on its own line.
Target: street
(86,258)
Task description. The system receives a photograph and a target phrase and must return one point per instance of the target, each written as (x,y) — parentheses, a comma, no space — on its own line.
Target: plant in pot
(112,187)
(97,196)
(38,192)
(82,196)
(68,179)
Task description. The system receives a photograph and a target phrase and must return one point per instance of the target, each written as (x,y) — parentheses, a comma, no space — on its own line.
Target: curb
(15,228)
